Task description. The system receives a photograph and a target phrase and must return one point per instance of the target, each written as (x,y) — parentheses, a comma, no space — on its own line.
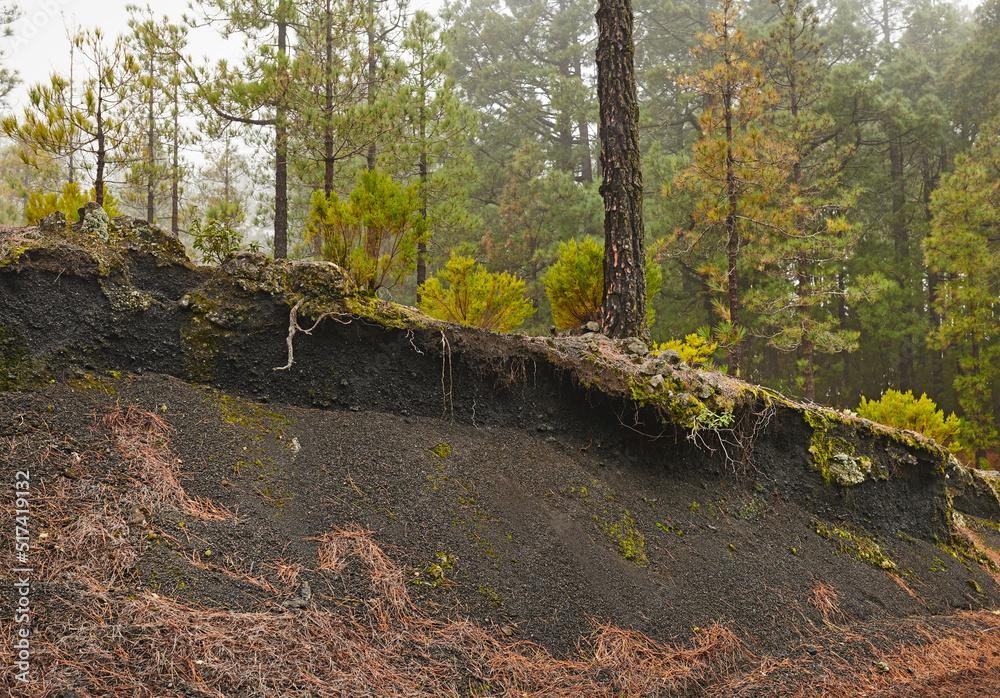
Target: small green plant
(903,411)
(575,283)
(712,421)
(216,238)
(630,542)
(696,349)
(442,450)
(493,301)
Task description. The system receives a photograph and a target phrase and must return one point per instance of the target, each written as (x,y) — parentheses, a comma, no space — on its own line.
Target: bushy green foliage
(373,235)
(219,236)
(902,410)
(696,349)
(963,248)
(71,198)
(493,301)
(575,283)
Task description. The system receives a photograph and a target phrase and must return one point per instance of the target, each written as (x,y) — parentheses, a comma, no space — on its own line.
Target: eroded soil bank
(425,497)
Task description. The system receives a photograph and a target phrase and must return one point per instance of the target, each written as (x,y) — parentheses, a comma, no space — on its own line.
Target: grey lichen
(94,221)
(848,470)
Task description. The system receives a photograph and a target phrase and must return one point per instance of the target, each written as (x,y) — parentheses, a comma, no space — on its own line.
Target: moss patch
(630,542)
(836,456)
(861,548)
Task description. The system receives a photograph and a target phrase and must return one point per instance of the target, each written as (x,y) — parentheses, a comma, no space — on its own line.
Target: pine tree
(736,169)
(259,92)
(524,66)
(965,248)
(332,122)
(157,166)
(9,79)
(439,127)
(96,123)
(373,234)
(474,296)
(810,238)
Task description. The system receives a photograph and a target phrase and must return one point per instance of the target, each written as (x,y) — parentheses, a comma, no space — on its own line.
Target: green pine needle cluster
(474,296)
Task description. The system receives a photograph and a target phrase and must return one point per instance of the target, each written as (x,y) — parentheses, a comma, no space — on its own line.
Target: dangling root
(446,392)
(293,327)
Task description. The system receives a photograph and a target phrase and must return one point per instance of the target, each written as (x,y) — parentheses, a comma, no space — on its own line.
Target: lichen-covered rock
(55,222)
(322,282)
(94,221)
(635,346)
(848,470)
(137,234)
(653,366)
(670,356)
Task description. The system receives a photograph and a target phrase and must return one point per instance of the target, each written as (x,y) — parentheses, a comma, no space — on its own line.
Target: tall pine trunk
(372,66)
(623,312)
(102,152)
(328,104)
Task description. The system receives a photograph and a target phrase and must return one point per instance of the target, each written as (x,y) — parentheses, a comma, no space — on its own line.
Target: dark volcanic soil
(415,477)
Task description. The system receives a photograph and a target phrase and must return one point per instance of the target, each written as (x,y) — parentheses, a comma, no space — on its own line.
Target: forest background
(831,168)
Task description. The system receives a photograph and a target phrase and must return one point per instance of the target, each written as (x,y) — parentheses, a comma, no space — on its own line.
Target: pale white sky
(38,46)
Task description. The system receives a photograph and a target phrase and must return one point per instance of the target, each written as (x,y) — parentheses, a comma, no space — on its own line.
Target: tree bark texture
(623,312)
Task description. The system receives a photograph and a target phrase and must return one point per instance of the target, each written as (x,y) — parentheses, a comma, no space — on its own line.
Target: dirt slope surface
(409,504)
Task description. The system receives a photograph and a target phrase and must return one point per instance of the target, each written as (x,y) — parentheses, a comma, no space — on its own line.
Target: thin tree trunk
(901,239)
(328,106)
(372,66)
(72,146)
(623,312)
(732,239)
(586,167)
(936,358)
(101,155)
(422,246)
(583,129)
(175,174)
(281,154)
(151,179)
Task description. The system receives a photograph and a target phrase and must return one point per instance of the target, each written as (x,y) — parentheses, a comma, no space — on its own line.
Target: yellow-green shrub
(903,411)
(575,283)
(71,198)
(373,234)
(695,349)
(475,296)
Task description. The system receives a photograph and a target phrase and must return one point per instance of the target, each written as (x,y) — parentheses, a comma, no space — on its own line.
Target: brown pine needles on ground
(100,641)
